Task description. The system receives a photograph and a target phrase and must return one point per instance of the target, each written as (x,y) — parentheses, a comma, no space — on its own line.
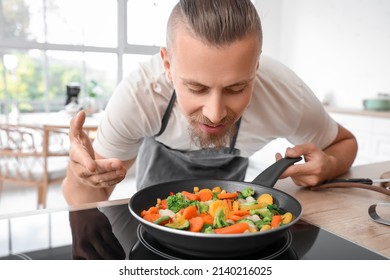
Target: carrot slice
(153,210)
(228,203)
(240,212)
(235,218)
(276,220)
(235,228)
(227,195)
(196,224)
(190,196)
(151,214)
(205,195)
(190,212)
(151,217)
(207,218)
(164,204)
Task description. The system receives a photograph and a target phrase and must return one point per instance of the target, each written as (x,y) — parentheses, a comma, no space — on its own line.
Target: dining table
(335,224)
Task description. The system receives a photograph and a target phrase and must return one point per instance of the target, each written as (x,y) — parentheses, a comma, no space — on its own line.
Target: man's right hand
(90,177)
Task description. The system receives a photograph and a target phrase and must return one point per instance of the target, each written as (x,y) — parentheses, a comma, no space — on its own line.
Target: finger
(76,125)
(278,156)
(109,164)
(295,170)
(288,172)
(80,155)
(300,150)
(108,179)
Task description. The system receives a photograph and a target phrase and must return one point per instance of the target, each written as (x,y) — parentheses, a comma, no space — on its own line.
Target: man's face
(214,85)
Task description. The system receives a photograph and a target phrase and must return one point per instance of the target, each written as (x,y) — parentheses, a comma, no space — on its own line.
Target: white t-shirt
(282,106)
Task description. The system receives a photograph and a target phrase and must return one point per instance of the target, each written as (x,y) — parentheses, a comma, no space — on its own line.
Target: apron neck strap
(234,139)
(167,113)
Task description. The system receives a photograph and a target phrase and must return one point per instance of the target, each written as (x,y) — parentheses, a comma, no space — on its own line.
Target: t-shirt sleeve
(315,125)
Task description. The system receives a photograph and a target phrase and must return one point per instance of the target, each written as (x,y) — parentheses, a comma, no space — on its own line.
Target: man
(201,107)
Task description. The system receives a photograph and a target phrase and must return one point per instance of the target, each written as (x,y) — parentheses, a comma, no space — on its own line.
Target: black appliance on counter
(302,241)
(72,93)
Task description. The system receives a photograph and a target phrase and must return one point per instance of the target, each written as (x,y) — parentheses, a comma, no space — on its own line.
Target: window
(47,44)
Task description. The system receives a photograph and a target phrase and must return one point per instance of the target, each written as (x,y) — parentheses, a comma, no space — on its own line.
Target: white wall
(338,47)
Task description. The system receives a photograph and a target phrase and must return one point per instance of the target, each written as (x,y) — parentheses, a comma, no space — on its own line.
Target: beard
(212,140)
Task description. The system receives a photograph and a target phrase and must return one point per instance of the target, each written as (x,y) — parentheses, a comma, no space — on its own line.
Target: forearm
(76,193)
(341,153)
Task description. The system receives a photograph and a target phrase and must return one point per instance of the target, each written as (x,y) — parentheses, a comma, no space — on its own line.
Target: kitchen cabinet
(372,133)
(372,130)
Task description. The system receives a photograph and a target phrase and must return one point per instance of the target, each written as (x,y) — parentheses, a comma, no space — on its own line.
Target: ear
(166,62)
(258,60)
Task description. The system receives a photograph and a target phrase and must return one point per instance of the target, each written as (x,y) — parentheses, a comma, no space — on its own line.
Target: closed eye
(198,90)
(235,89)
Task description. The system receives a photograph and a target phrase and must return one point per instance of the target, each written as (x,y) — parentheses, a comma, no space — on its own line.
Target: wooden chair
(34,156)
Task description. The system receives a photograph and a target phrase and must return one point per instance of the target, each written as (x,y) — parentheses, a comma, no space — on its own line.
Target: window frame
(9,45)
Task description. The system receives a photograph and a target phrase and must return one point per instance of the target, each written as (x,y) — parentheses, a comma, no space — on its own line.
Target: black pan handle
(269,176)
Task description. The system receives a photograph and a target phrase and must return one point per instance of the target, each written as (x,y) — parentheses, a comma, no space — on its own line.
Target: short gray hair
(215,22)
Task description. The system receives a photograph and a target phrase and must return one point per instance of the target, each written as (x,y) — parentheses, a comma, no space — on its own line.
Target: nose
(215,109)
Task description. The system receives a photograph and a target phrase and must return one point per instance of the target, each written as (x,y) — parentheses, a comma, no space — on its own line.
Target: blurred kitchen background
(341,49)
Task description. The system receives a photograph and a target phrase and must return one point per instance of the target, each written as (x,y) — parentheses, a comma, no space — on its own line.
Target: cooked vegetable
(263,212)
(217,211)
(287,218)
(196,224)
(265,198)
(227,195)
(250,206)
(162,220)
(190,196)
(190,212)
(151,214)
(218,204)
(219,219)
(207,218)
(202,207)
(276,221)
(207,229)
(275,209)
(247,192)
(205,195)
(179,223)
(265,227)
(177,202)
(235,228)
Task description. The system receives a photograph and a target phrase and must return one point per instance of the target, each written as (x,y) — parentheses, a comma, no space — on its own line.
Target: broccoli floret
(203,207)
(177,201)
(247,192)
(219,219)
(207,229)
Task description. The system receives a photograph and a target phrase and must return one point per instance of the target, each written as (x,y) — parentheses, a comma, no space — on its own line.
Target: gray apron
(157,163)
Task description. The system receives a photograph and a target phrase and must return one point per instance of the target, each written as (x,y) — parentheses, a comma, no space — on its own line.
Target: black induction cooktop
(303,241)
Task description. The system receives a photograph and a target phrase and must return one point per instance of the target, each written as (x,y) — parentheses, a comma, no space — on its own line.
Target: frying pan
(217,245)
